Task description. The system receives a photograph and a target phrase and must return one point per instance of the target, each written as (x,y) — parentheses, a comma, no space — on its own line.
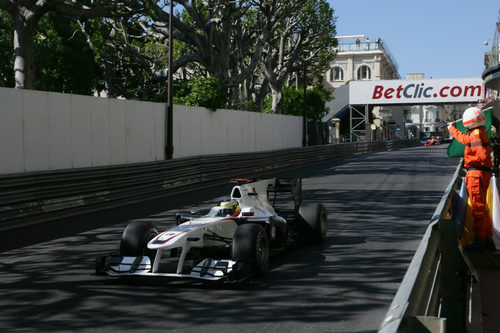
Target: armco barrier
(37,196)
(433,294)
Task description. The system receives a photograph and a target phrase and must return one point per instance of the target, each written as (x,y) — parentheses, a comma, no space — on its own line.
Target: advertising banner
(425,91)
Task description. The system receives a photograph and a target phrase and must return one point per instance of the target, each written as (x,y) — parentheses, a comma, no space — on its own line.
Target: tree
(132,62)
(26,15)
(209,28)
(6,51)
(305,42)
(63,60)
(200,91)
(222,38)
(293,102)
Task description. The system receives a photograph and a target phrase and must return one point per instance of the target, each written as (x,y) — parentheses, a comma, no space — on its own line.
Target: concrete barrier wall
(50,131)
(199,131)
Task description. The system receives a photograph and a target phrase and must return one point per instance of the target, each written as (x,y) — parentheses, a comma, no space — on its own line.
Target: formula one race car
(230,243)
(432,141)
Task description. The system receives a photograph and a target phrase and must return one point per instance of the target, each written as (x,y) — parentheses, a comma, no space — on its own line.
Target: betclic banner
(425,91)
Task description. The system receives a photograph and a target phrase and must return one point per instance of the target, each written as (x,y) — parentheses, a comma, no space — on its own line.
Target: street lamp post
(169,148)
(304,114)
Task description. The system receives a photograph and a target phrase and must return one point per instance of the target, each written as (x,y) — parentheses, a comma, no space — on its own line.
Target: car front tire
(251,246)
(135,239)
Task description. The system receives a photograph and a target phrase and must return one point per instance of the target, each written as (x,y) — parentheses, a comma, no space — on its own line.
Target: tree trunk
(24,61)
(262,93)
(26,15)
(109,77)
(277,100)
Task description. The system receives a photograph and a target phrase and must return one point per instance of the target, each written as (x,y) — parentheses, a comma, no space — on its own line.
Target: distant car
(432,141)
(232,242)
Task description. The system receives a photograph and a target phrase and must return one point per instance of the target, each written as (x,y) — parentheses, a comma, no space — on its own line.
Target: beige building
(359,58)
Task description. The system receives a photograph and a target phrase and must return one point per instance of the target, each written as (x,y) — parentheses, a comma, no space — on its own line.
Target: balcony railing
(369,46)
(492,58)
(353,47)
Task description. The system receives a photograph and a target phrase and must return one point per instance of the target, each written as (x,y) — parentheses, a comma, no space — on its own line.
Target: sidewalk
(490,295)
(488,268)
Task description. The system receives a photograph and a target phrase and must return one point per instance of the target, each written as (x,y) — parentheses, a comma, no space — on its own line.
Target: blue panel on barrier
(459,214)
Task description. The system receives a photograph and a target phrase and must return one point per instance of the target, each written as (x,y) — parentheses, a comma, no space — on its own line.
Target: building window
(336,74)
(407,115)
(364,73)
(427,116)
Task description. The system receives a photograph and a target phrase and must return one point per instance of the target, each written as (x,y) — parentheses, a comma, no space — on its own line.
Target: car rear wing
(242,181)
(286,185)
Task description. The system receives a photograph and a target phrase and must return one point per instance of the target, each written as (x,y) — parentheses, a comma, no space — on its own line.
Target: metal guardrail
(38,196)
(430,297)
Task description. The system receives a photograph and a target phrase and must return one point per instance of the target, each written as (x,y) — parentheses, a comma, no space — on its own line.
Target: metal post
(304,115)
(368,128)
(169,148)
(350,123)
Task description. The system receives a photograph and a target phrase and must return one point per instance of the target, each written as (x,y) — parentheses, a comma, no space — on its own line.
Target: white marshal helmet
(473,117)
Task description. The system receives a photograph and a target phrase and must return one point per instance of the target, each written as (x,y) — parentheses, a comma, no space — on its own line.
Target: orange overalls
(477,161)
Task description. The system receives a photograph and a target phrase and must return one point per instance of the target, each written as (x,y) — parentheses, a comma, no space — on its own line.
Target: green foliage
(320,22)
(63,61)
(293,102)
(6,52)
(200,91)
(127,58)
(245,106)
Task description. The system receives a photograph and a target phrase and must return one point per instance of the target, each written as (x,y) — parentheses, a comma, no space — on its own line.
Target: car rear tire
(251,246)
(135,239)
(314,222)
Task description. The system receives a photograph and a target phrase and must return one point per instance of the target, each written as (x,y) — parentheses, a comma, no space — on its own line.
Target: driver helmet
(230,207)
(473,117)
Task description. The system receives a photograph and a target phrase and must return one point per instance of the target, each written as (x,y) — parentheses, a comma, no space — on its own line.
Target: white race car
(232,242)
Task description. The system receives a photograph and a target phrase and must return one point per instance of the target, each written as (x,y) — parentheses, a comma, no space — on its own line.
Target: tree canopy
(293,102)
(243,51)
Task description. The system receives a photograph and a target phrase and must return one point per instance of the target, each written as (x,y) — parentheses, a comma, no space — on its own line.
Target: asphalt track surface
(378,206)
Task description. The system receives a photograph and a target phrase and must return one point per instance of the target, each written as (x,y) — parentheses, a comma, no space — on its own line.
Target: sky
(440,38)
